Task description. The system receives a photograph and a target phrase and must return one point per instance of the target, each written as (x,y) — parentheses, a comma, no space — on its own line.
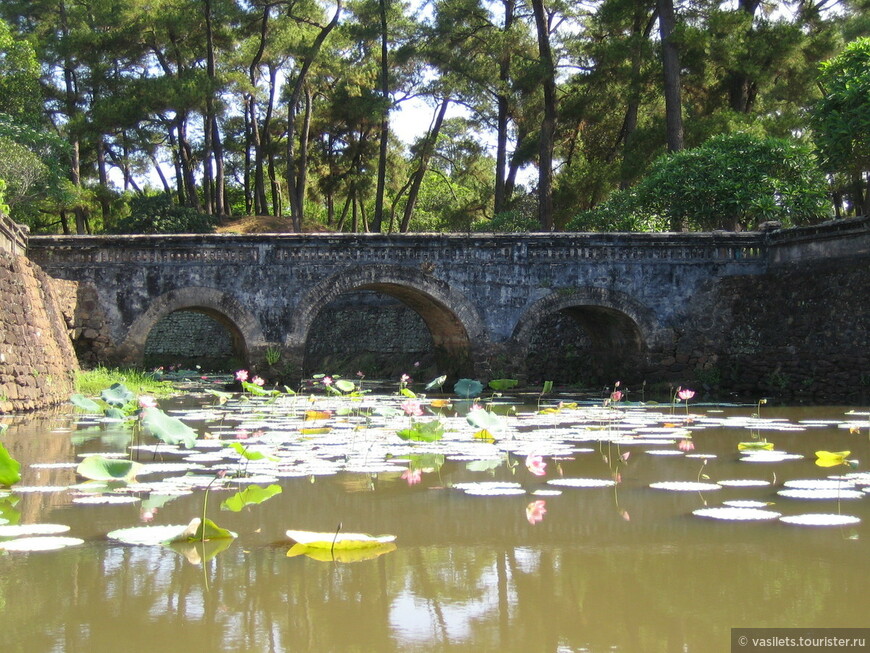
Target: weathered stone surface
(37,362)
(752,312)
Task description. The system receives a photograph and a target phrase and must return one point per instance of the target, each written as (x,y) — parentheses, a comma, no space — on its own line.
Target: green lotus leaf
(89,405)
(338,541)
(423,431)
(341,555)
(468,388)
(345,386)
(99,468)
(251,495)
(200,552)
(117,395)
(201,531)
(9,468)
(170,430)
(115,413)
(500,385)
(254,389)
(246,453)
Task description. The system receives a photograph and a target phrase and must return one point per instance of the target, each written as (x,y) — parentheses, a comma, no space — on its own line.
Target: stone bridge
(652,305)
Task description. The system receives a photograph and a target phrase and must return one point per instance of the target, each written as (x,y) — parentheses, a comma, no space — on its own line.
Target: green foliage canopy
(733,181)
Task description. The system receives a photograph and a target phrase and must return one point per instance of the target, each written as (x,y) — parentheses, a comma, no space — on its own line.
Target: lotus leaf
(246,453)
(117,395)
(170,430)
(199,530)
(100,468)
(338,541)
(89,405)
(468,388)
(9,468)
(251,495)
(254,389)
(345,386)
(436,383)
(485,419)
(423,431)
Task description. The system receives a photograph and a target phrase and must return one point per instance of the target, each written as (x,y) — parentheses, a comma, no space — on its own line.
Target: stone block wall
(37,361)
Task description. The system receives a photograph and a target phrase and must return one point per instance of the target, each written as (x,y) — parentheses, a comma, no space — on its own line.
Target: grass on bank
(139,382)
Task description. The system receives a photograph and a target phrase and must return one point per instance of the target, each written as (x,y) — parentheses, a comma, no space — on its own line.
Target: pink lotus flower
(535,511)
(536,465)
(258,381)
(686,445)
(413,476)
(625,456)
(147,401)
(242,375)
(242,434)
(412,408)
(326,380)
(405,379)
(615,396)
(685,394)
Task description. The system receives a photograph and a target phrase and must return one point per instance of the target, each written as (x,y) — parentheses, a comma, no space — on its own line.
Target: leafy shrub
(158,214)
(733,181)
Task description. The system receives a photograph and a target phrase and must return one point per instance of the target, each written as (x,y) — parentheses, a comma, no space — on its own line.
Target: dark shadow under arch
(589,335)
(243,328)
(450,319)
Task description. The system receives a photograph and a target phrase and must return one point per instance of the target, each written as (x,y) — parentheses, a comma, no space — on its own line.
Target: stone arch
(243,327)
(619,328)
(453,322)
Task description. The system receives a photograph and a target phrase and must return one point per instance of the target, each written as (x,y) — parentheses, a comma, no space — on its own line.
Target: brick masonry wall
(37,361)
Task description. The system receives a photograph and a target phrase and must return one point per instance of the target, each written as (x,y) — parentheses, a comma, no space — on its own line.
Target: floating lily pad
(820,519)
(338,541)
(821,494)
(33,529)
(818,484)
(739,503)
(582,482)
(46,543)
(685,486)
(731,513)
(100,468)
(148,535)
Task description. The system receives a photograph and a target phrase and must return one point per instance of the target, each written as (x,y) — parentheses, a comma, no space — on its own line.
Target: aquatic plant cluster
(249,440)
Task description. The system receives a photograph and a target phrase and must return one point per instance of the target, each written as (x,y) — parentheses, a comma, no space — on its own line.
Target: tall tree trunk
(548,122)
(185,155)
(425,155)
(377,220)
(504,68)
(105,204)
(293,166)
(671,74)
(741,88)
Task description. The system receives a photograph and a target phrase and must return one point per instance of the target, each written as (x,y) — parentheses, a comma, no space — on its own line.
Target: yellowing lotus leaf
(340,541)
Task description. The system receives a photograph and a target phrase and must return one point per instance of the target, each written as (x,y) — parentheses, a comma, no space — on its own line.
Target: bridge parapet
(13,236)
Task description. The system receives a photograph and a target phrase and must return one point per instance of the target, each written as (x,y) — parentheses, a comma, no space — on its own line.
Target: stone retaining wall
(37,361)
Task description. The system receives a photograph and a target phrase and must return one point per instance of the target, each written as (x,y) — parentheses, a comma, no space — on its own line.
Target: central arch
(452,321)
(612,332)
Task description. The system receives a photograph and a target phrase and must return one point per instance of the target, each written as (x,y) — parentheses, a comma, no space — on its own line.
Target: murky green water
(622,568)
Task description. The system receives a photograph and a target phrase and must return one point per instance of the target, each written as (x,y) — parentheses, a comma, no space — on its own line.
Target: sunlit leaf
(89,405)
(485,419)
(345,386)
(407,393)
(436,383)
(548,387)
(317,414)
(170,430)
(117,395)
(100,468)
(755,446)
(202,530)
(41,543)
(221,396)
(246,453)
(9,468)
(251,495)
(483,465)
(440,403)
(338,541)
(468,388)
(254,389)
(198,552)
(484,435)
(831,458)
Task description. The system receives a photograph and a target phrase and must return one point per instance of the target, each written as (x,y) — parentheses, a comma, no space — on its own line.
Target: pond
(579,528)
